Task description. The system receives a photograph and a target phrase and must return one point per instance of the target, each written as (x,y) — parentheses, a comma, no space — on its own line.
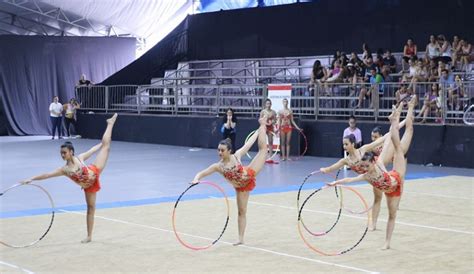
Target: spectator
(366,52)
(455,93)
(433,75)
(431,104)
(352,129)
(390,61)
(70,115)
(343,59)
(409,52)
(432,49)
(466,54)
(444,49)
(355,60)
(402,94)
(375,91)
(335,58)
(228,129)
(55,113)
(83,81)
(318,74)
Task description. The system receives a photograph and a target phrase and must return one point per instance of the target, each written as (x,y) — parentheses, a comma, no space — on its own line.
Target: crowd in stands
(442,64)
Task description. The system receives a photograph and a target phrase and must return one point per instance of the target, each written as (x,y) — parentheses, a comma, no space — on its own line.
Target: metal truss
(32,17)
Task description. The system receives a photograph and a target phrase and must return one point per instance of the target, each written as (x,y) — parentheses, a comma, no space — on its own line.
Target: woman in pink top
(86,176)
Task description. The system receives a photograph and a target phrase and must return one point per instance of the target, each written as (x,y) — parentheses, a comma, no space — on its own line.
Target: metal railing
(323,101)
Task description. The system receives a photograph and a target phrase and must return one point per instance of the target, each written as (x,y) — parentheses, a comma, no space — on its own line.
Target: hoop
(353,212)
(173,218)
(305,145)
(468,116)
(300,219)
(50,223)
(312,247)
(275,152)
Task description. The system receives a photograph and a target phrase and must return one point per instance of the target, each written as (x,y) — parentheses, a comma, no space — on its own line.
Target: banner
(278,92)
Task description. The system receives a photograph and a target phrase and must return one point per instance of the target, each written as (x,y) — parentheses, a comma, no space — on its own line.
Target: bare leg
(392,203)
(283,146)
(90,200)
(103,155)
(362,93)
(288,140)
(270,144)
(376,208)
(242,201)
(408,135)
(259,160)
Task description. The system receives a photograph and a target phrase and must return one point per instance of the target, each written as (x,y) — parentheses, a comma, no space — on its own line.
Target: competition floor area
(141,182)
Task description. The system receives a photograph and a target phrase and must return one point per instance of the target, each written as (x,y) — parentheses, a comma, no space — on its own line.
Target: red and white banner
(278,92)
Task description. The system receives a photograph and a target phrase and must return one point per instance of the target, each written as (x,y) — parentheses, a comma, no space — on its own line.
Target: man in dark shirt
(389,60)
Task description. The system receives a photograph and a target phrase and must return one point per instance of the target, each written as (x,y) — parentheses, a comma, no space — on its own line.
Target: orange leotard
(244,176)
(385,183)
(86,176)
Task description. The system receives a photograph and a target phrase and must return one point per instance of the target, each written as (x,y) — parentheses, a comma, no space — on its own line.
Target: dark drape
(302,29)
(35,68)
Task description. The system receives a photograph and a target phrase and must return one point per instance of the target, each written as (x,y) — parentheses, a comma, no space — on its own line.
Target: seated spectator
(83,81)
(335,58)
(375,91)
(335,73)
(386,74)
(366,52)
(431,104)
(390,61)
(409,52)
(378,61)
(318,74)
(433,75)
(352,129)
(455,92)
(432,49)
(466,55)
(355,60)
(444,50)
(403,94)
(343,59)
(411,71)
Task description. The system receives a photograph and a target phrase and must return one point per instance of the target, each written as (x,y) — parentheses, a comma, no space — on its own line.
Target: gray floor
(154,173)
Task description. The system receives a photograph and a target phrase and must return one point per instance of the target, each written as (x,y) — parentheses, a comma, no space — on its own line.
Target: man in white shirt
(352,129)
(56,113)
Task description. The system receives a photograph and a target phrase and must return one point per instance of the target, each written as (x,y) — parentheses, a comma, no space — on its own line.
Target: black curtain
(35,68)
(302,29)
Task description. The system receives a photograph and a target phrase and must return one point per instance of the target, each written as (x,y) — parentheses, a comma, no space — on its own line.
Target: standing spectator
(409,52)
(70,115)
(84,82)
(229,122)
(352,129)
(389,60)
(55,112)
